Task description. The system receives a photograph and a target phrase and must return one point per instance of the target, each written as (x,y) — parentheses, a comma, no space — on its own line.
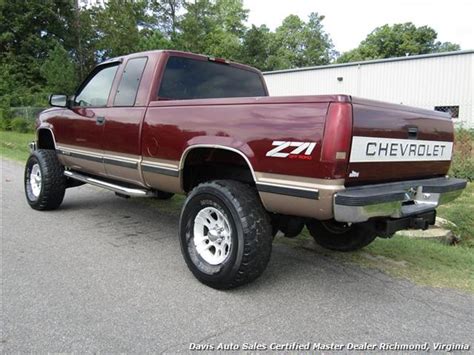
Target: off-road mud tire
(251,233)
(53,181)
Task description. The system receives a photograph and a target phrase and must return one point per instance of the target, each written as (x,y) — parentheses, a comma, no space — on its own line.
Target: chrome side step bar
(109,186)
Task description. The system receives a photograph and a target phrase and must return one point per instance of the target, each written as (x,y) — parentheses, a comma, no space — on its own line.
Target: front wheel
(341,236)
(225,234)
(45,183)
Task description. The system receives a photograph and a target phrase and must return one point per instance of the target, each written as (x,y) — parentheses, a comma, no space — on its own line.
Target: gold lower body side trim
(298,196)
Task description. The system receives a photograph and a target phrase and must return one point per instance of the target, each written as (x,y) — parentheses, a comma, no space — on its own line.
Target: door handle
(100,120)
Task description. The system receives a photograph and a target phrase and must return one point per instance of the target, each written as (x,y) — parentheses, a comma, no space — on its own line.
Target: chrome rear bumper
(395,200)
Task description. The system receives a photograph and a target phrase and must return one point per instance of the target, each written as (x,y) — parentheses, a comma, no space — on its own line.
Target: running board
(109,186)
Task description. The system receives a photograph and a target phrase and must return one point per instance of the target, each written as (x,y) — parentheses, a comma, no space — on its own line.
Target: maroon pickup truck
(165,122)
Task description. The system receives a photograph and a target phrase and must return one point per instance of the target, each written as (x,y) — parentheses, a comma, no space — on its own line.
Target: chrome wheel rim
(35,180)
(212,235)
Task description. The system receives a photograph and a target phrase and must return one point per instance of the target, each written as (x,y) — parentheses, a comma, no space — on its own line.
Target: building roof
(374,61)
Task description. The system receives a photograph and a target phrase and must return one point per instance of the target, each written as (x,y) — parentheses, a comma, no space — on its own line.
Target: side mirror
(58,100)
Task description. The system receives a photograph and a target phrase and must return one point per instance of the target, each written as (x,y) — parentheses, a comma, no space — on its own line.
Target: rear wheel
(45,183)
(341,236)
(225,234)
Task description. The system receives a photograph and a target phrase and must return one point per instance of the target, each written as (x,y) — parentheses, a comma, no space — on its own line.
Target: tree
(86,38)
(196,24)
(231,16)
(256,47)
(213,27)
(154,40)
(165,13)
(12,87)
(446,47)
(117,27)
(397,41)
(319,46)
(28,31)
(299,44)
(59,71)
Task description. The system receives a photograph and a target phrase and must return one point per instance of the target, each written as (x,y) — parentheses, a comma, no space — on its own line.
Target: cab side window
(131,77)
(96,90)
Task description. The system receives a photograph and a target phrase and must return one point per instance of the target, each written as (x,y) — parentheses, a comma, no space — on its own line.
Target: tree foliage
(298,44)
(165,16)
(117,27)
(397,41)
(28,31)
(256,47)
(213,27)
(59,71)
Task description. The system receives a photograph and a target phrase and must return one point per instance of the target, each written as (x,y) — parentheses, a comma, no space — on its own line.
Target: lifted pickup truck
(165,122)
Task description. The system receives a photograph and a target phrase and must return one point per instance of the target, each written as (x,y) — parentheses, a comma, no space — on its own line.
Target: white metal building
(442,81)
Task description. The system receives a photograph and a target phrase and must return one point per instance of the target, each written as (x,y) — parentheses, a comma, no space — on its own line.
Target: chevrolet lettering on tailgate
(370,149)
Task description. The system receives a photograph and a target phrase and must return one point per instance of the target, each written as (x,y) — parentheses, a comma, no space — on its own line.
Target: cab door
(121,135)
(81,127)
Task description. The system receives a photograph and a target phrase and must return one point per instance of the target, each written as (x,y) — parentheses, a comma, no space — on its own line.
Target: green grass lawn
(14,145)
(426,262)
(461,213)
(423,261)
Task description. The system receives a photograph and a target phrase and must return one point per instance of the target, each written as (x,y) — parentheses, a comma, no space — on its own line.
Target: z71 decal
(302,150)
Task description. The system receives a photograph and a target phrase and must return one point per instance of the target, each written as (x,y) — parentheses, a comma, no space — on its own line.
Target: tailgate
(395,142)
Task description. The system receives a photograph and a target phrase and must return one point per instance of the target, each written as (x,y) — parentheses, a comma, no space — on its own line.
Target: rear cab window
(187,78)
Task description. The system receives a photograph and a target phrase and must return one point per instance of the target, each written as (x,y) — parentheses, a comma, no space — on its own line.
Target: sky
(348,22)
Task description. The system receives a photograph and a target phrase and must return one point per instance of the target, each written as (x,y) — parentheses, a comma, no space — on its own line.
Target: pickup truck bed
(348,168)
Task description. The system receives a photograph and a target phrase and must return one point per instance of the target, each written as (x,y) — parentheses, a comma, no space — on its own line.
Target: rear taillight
(337,138)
